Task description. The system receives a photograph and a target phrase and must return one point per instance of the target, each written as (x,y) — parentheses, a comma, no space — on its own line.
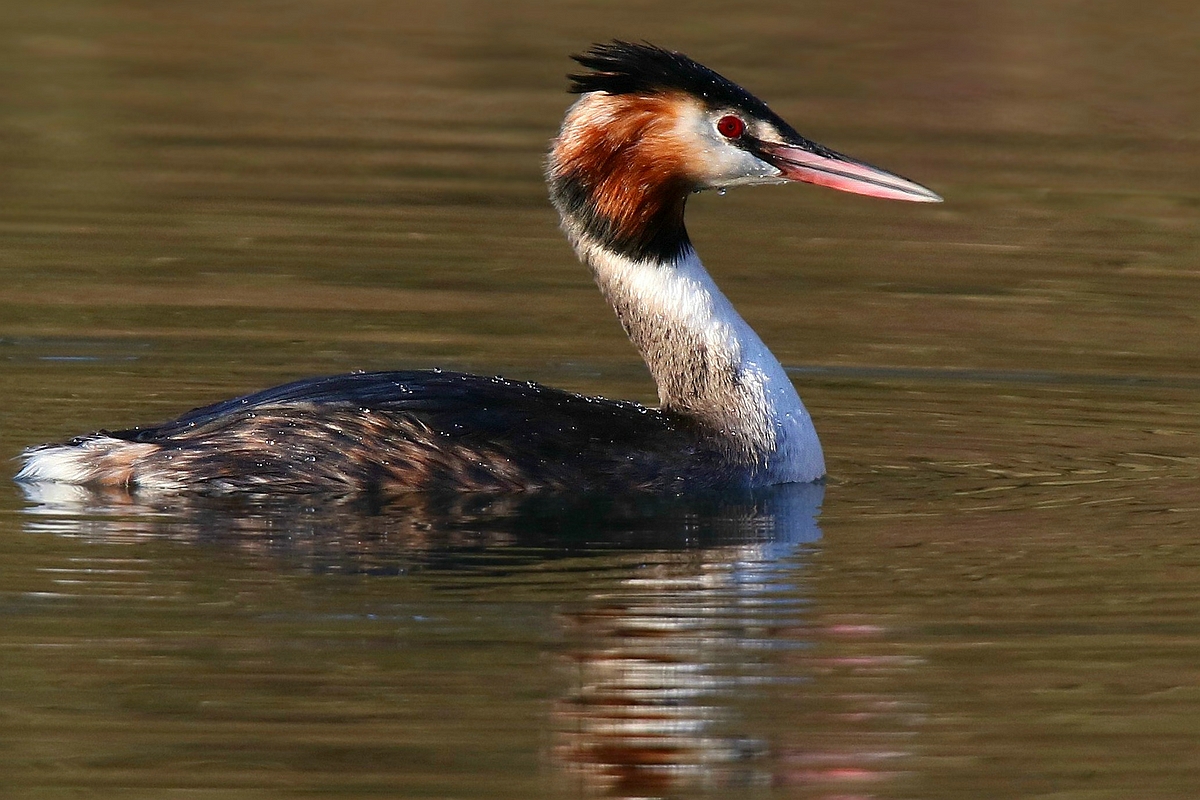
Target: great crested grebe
(651,127)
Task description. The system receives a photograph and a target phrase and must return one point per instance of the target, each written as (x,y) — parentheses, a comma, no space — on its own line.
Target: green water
(994,595)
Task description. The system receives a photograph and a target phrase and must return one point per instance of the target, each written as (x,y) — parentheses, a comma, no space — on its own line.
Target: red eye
(731,127)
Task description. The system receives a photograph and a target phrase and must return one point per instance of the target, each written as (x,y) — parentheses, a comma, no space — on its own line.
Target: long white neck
(707,362)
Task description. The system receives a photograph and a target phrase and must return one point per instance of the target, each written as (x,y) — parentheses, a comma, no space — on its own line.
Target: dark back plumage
(398,431)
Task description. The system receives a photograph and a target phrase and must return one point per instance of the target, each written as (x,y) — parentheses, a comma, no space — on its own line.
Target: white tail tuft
(97,459)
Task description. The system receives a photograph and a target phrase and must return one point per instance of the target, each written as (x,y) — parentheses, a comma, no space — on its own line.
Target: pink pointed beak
(826,168)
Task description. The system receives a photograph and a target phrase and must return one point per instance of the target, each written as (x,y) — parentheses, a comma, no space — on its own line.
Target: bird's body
(380,430)
(651,127)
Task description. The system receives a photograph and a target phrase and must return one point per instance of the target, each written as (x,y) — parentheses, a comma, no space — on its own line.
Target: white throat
(707,361)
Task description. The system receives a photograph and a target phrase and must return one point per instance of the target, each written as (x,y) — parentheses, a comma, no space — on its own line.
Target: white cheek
(718,162)
(746,170)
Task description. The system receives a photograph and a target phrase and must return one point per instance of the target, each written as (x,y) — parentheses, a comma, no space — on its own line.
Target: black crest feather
(629,68)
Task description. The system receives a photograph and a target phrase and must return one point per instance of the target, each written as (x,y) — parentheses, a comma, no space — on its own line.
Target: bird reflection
(662,659)
(354,531)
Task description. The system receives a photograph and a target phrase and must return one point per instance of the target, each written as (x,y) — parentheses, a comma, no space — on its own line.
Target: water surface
(994,594)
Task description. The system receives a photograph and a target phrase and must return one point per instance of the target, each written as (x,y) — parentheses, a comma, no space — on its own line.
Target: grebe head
(653,126)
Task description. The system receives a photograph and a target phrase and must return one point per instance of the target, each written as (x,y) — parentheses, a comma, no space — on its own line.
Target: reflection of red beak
(827,168)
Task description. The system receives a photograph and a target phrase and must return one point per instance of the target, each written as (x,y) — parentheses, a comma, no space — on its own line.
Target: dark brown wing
(430,430)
